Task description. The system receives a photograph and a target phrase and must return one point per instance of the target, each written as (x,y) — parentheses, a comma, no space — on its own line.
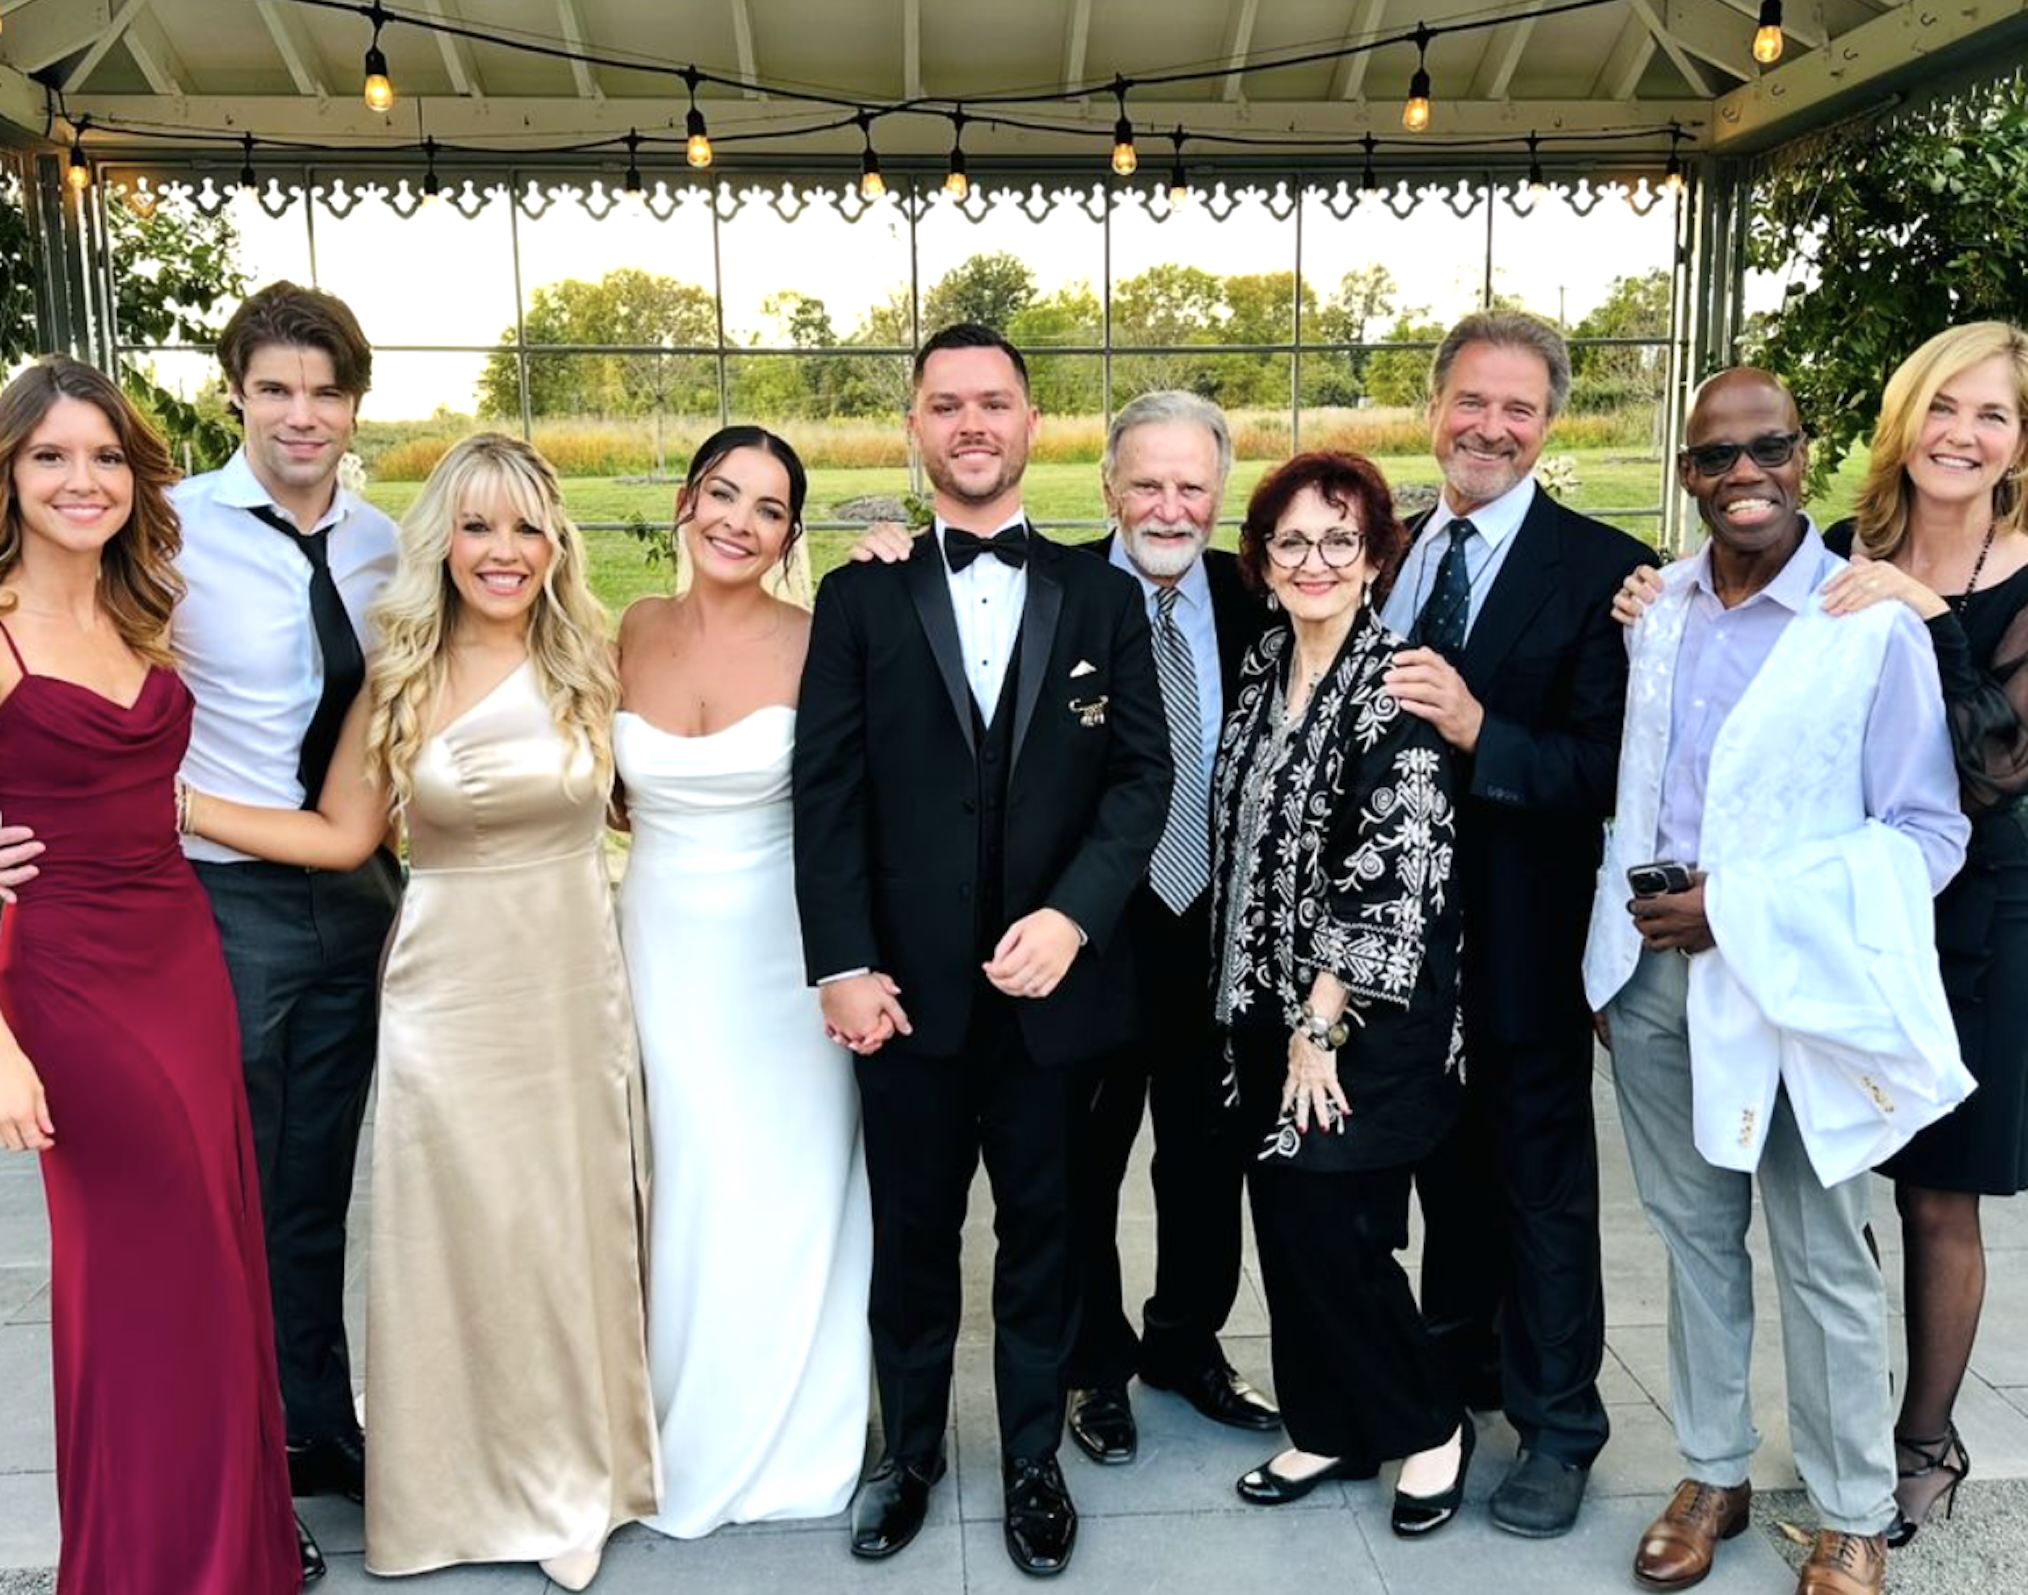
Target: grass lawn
(1609,479)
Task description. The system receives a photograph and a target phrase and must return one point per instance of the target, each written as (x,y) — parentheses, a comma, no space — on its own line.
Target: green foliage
(1891,233)
(19,339)
(1401,376)
(989,289)
(176,272)
(625,306)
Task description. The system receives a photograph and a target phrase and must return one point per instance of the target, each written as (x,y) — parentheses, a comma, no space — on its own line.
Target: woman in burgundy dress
(119,1062)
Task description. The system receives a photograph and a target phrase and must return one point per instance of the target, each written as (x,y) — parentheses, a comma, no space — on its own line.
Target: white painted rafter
(149,45)
(298,54)
(1076,39)
(1238,40)
(571,20)
(1504,47)
(911,49)
(742,40)
(1349,81)
(1650,14)
(459,62)
(116,29)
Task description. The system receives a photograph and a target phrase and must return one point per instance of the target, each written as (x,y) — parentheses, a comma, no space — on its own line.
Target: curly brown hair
(138,584)
(1345,481)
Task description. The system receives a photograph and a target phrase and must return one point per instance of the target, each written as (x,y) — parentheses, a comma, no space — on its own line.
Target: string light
(697,142)
(630,185)
(956,183)
(871,184)
(80,174)
(1125,161)
(379,88)
(1179,180)
(1538,185)
(249,182)
(1415,114)
(1767,38)
(1672,174)
(1369,181)
(432,189)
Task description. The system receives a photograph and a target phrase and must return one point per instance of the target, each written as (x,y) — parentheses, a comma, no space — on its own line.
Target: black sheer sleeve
(1987,703)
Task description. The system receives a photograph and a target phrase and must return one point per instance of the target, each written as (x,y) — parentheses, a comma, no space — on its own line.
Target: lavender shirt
(1911,783)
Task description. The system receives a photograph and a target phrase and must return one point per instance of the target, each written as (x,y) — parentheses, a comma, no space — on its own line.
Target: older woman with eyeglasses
(1335,971)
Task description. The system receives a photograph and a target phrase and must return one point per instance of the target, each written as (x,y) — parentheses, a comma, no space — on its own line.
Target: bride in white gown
(759,1235)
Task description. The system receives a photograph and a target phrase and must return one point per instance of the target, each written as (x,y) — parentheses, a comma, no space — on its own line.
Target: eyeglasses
(1336,549)
(1767,451)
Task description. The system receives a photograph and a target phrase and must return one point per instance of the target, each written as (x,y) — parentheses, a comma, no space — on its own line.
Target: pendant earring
(1274,603)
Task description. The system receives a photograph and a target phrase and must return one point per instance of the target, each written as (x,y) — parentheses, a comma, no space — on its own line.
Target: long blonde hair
(138,584)
(417,614)
(1880,512)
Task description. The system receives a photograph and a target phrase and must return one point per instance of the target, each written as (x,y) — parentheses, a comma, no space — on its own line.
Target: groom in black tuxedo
(981,773)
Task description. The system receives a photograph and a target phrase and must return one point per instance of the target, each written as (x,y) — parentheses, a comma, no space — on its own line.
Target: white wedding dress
(760,1235)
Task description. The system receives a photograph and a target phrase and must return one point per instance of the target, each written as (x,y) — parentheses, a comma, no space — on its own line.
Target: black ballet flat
(1265,1487)
(1416,1515)
(306,1550)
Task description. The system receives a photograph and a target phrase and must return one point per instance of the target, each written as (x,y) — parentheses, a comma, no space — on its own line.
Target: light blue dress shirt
(1493,526)
(1194,620)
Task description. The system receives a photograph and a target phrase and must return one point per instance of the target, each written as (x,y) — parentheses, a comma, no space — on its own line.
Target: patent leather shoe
(1041,1521)
(307,1554)
(334,1465)
(1220,1394)
(890,1507)
(1102,1424)
(1416,1515)
(1265,1487)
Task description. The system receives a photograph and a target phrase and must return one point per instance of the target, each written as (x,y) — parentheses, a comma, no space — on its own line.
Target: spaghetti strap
(20,663)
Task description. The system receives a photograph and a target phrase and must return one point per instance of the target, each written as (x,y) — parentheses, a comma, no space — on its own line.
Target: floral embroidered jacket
(1332,848)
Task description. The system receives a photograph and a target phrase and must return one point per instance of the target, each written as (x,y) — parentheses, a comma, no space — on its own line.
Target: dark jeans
(304,950)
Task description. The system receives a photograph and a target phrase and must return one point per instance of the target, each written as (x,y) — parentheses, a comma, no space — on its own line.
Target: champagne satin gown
(507,1400)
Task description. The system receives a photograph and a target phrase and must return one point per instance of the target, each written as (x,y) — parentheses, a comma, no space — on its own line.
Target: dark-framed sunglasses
(1767,451)
(1335,549)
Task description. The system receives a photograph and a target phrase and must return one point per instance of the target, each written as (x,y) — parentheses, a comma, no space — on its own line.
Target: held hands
(1865,582)
(1641,588)
(25,1125)
(1312,1088)
(863,1012)
(17,846)
(886,541)
(1035,954)
(1429,687)
(1674,920)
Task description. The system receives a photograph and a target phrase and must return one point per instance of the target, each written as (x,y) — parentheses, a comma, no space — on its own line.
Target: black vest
(995,744)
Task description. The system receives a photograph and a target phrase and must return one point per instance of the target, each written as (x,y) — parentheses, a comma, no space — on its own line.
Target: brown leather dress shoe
(1677,1548)
(1844,1564)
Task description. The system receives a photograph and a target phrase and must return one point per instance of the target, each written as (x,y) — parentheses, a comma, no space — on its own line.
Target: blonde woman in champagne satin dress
(506,1372)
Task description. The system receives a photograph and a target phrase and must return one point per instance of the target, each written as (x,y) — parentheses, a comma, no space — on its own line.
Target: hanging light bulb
(432,189)
(1767,38)
(957,182)
(1538,185)
(379,88)
(1415,114)
(697,145)
(1179,180)
(249,180)
(1369,180)
(630,185)
(1672,174)
(1125,161)
(871,184)
(79,176)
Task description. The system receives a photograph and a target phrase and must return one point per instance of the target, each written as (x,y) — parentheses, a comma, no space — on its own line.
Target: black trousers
(1511,1273)
(1197,1171)
(303,948)
(927,1122)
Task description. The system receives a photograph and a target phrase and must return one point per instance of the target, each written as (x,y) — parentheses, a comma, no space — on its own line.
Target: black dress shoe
(1220,1394)
(888,1510)
(1539,1497)
(1102,1424)
(334,1465)
(1041,1522)
(1417,1515)
(311,1558)
(1265,1487)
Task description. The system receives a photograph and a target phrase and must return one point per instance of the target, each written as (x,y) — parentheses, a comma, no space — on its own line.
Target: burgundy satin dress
(171,1476)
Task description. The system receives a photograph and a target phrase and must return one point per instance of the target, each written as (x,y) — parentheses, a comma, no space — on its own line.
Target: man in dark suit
(1506,597)
(981,774)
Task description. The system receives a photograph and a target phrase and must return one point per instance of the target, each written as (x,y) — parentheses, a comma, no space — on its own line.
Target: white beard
(1162,561)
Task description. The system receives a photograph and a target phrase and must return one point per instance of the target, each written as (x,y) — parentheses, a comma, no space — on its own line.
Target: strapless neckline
(709,736)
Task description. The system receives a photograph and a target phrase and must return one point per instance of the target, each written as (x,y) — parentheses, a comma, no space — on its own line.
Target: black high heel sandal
(1933,1457)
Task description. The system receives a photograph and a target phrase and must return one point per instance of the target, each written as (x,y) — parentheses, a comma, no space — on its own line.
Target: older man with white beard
(1166,460)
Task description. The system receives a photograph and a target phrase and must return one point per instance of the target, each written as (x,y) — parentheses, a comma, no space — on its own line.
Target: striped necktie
(1181,867)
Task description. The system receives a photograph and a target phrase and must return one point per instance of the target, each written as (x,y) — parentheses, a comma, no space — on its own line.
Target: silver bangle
(1327,1035)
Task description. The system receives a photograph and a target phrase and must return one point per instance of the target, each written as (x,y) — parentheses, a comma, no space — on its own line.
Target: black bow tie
(1009,546)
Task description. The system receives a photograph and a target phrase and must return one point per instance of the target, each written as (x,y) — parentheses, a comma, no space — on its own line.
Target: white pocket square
(1084,667)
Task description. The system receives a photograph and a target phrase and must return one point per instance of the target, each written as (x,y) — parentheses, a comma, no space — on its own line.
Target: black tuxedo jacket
(1238,614)
(1549,663)
(886,790)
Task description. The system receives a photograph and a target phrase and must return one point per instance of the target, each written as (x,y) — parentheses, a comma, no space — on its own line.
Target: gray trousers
(1833,1300)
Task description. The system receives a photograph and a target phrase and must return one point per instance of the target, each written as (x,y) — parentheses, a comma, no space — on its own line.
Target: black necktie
(344,664)
(1009,546)
(1441,625)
